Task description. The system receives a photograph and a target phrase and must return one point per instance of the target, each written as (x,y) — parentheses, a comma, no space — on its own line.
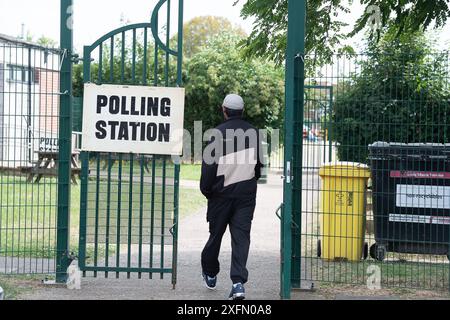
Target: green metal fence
(29,128)
(389,111)
(77,113)
(129,202)
(317,126)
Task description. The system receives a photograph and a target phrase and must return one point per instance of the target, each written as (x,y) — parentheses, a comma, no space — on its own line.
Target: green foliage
(219,70)
(409,16)
(42,40)
(400,95)
(77,80)
(198,31)
(324,31)
(47,42)
(269,37)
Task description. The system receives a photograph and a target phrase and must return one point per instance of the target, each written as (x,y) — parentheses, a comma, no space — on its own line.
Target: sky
(93,18)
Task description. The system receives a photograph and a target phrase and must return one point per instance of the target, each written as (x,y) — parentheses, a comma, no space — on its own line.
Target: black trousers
(238,215)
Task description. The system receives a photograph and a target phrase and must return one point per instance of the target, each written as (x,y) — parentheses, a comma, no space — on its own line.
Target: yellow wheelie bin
(343,211)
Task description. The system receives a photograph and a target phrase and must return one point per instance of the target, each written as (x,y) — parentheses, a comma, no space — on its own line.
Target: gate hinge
(72,257)
(301,56)
(279,211)
(171,230)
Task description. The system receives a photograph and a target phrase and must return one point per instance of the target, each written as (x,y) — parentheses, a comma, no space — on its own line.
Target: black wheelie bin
(411,198)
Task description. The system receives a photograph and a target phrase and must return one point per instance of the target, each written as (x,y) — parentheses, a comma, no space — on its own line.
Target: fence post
(292,165)
(65,142)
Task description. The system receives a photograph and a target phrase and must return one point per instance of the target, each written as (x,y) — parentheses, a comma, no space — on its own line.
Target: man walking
(230,171)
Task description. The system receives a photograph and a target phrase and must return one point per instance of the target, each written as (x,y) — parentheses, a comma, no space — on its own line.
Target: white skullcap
(233,102)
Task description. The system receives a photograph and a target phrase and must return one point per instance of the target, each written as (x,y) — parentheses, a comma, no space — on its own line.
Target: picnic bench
(109,164)
(47,166)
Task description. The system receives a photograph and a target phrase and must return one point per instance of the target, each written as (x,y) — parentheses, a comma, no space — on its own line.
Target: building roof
(17,41)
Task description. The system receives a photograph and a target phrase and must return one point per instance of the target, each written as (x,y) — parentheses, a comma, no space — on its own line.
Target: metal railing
(396,235)
(29,118)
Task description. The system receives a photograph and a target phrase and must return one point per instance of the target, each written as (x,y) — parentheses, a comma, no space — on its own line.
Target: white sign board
(412,218)
(417,196)
(49,143)
(133,119)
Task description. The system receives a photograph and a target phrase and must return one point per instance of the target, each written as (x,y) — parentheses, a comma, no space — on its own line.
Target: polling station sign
(133,119)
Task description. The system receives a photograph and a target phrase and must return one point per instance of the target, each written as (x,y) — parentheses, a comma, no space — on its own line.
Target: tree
(400,95)
(324,31)
(408,16)
(219,70)
(42,41)
(198,31)
(47,42)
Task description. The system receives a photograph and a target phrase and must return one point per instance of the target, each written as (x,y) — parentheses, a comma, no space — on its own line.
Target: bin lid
(379,150)
(345,169)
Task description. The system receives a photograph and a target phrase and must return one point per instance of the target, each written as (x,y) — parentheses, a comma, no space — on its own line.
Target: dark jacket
(227,176)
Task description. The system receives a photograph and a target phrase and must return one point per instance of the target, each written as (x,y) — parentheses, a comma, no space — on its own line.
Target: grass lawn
(187,171)
(191,172)
(394,274)
(191,201)
(14,286)
(27,217)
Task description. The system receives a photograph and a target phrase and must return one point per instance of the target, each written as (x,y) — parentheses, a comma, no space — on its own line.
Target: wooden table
(114,159)
(47,166)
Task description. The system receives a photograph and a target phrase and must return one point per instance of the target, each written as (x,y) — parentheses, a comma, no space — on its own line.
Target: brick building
(29,101)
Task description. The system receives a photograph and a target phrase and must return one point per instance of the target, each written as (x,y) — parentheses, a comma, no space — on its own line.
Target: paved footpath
(263,264)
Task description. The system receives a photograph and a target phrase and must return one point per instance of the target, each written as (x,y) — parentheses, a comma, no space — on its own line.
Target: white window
(20,74)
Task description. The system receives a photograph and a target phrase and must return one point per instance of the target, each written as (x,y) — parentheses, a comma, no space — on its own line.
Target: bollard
(1,293)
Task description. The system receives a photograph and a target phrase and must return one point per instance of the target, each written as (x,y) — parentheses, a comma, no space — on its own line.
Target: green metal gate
(129,202)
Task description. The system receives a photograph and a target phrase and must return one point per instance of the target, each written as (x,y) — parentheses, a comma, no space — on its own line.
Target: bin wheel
(373,251)
(378,252)
(319,248)
(381,253)
(366,251)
